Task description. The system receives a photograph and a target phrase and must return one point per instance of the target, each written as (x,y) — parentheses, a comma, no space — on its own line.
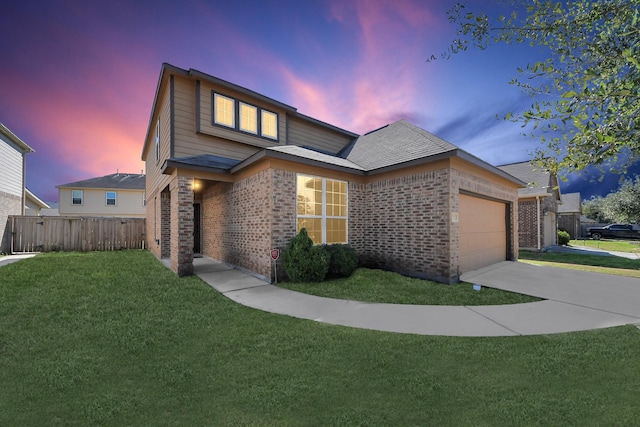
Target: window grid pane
(269,124)
(111,198)
(76,197)
(248,118)
(224,114)
(324,223)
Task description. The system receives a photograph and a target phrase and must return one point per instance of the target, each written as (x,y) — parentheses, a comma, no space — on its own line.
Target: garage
(482,232)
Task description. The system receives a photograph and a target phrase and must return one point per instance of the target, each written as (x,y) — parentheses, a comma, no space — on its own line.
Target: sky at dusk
(77,78)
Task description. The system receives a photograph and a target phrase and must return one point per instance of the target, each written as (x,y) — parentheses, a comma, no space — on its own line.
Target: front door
(196,229)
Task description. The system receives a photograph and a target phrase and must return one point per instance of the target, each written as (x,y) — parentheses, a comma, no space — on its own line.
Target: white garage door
(483,232)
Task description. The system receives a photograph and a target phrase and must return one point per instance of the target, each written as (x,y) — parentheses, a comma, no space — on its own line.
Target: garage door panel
(482,232)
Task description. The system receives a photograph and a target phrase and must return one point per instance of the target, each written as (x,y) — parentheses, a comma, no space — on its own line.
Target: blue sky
(79,77)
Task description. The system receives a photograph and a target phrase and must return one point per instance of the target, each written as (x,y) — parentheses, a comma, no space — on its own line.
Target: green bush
(563,237)
(343,260)
(304,262)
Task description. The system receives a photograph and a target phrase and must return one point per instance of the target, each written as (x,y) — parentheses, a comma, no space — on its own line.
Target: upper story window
(248,118)
(144,198)
(224,110)
(244,117)
(158,140)
(269,124)
(322,209)
(77,197)
(111,198)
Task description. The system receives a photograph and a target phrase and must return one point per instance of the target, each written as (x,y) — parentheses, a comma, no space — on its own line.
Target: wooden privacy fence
(59,233)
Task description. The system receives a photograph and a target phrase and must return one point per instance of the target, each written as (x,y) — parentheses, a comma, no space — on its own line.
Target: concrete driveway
(574,301)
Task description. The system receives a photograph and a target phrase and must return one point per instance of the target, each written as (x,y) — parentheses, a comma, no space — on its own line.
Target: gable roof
(539,181)
(571,203)
(30,196)
(8,136)
(394,144)
(122,181)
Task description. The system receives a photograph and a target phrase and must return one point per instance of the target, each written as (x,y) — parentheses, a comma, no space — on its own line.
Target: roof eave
(169,166)
(15,139)
(243,90)
(293,158)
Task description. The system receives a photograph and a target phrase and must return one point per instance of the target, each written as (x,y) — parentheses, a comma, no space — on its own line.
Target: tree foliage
(587,91)
(619,206)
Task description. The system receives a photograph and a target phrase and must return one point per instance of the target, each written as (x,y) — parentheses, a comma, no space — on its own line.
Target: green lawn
(384,286)
(609,245)
(595,263)
(115,339)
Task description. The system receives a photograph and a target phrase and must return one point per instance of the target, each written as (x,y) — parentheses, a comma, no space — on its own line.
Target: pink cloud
(384,82)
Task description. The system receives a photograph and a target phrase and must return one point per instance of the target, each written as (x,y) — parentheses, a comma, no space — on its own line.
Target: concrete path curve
(574,301)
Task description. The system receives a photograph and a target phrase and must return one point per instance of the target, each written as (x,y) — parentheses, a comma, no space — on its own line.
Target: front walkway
(575,301)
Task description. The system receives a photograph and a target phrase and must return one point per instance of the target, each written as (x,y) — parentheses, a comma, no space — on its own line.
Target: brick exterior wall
(181,225)
(164,224)
(528,221)
(9,205)
(402,224)
(243,221)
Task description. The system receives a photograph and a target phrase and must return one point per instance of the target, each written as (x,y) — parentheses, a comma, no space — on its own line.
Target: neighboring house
(232,174)
(537,205)
(115,195)
(13,153)
(33,206)
(569,213)
(51,211)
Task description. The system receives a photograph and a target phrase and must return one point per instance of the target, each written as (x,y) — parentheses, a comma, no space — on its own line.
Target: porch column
(182,225)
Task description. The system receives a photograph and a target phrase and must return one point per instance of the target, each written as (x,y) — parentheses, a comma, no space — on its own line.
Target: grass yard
(609,245)
(115,338)
(384,286)
(594,263)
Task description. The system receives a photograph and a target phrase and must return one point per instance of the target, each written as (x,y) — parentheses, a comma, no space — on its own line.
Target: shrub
(304,262)
(343,260)
(563,237)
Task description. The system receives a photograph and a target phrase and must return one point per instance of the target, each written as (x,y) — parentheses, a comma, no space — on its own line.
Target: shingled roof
(539,181)
(121,181)
(396,143)
(571,203)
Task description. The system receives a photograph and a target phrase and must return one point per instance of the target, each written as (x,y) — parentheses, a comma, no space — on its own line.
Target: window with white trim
(322,209)
(77,197)
(224,110)
(111,198)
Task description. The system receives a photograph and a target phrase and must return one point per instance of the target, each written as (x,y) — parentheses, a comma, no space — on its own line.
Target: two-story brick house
(232,173)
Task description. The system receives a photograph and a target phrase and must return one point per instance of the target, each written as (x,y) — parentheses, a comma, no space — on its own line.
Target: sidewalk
(8,259)
(554,315)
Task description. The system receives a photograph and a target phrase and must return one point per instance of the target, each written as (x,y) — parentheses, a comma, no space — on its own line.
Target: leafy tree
(594,209)
(588,89)
(622,205)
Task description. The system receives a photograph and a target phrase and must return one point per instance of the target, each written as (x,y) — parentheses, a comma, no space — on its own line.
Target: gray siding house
(13,153)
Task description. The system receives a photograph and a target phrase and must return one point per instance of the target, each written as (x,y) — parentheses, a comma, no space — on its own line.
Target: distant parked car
(614,231)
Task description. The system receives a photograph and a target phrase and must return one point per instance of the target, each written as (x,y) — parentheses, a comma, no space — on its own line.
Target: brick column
(165,225)
(182,226)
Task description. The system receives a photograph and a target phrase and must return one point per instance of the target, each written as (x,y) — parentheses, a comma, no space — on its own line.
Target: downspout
(538,219)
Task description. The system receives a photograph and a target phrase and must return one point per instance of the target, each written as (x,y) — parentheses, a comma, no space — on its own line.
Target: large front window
(322,209)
